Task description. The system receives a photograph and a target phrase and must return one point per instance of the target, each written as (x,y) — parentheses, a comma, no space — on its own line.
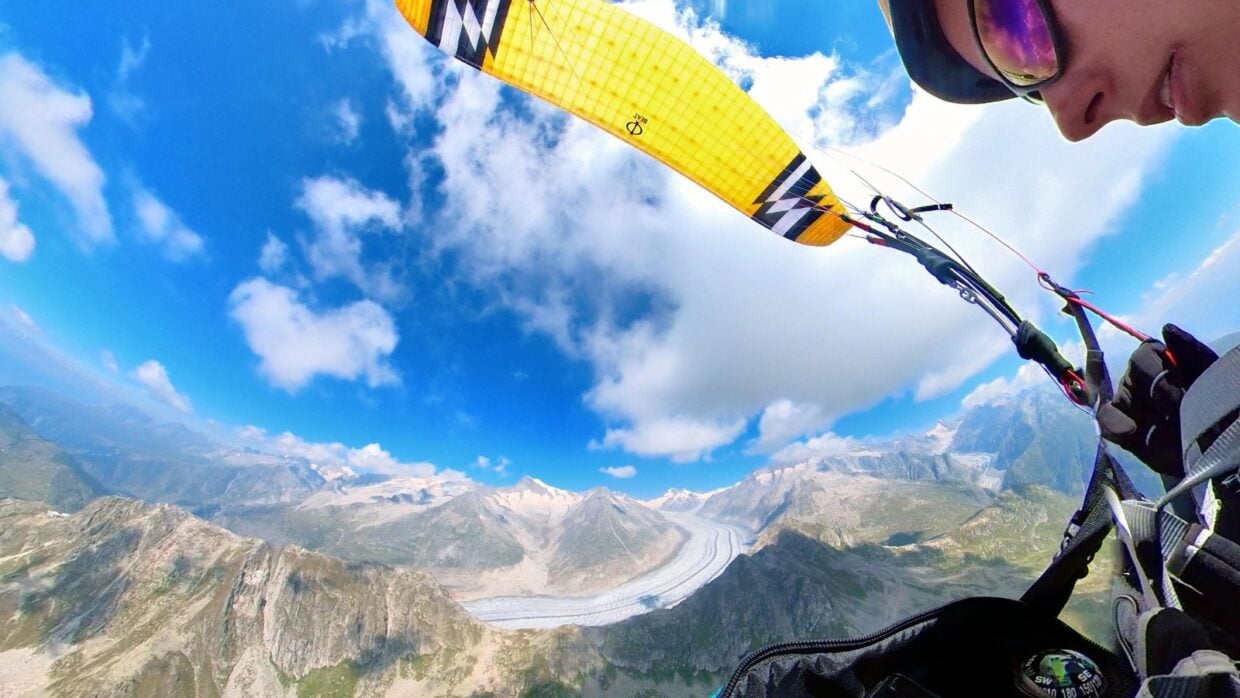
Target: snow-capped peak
(417,491)
(533,496)
(679,499)
(941,437)
(332,472)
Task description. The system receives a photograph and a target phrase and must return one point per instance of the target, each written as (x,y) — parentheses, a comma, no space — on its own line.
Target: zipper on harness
(761,655)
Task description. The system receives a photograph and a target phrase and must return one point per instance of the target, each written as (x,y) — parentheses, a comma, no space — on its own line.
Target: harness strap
(1210,428)
(1159,534)
(1211,400)
(1221,459)
(1087,530)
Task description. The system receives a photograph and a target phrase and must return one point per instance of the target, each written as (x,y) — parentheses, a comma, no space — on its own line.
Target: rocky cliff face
(529,538)
(844,509)
(608,538)
(1032,439)
(1035,439)
(126,598)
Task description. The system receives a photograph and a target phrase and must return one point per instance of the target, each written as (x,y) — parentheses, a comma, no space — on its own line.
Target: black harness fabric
(972,647)
(1092,522)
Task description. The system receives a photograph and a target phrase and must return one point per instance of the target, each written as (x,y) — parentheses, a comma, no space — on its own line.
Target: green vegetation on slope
(339,681)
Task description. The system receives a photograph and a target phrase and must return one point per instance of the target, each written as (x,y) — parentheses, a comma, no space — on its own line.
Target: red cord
(1139,335)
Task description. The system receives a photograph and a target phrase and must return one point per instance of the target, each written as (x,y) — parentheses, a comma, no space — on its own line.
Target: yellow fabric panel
(647,88)
(416,12)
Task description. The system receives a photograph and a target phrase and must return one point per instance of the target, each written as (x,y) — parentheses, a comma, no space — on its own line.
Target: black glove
(1144,416)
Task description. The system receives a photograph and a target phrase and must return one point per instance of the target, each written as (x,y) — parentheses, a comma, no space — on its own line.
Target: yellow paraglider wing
(647,88)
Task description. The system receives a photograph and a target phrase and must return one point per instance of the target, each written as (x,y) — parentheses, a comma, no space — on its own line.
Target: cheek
(1116,41)
(1219,49)
(1106,29)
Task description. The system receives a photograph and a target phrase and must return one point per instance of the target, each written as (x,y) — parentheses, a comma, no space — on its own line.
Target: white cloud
(680,438)
(108,359)
(1027,376)
(273,255)
(251,433)
(338,204)
(341,210)
(372,457)
(401,121)
(24,319)
(295,343)
(348,121)
(733,319)
(132,58)
(1201,300)
(344,35)
(623,472)
(31,356)
(413,66)
(161,226)
(16,240)
(41,120)
(337,456)
(498,466)
(123,101)
(154,379)
(821,446)
(784,420)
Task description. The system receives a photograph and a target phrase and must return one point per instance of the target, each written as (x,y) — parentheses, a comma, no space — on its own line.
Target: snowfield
(704,555)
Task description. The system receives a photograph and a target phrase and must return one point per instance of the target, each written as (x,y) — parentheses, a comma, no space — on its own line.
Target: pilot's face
(1147,61)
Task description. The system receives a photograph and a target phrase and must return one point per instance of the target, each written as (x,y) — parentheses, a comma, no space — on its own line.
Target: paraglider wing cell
(647,88)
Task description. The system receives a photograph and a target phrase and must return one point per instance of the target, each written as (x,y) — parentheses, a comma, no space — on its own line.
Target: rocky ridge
(36,469)
(529,538)
(130,453)
(129,598)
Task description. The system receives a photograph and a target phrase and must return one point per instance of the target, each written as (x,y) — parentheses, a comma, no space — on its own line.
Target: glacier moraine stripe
(468,29)
(785,208)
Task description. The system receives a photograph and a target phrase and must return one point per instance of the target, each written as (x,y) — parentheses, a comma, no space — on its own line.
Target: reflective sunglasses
(1021,40)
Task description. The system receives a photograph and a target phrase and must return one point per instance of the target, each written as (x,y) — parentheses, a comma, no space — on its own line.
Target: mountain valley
(353,585)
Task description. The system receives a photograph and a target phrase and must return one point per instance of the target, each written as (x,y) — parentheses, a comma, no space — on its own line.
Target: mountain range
(131,598)
(529,538)
(130,453)
(128,598)
(39,470)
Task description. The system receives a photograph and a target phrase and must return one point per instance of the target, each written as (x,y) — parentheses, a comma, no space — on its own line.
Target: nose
(1081,109)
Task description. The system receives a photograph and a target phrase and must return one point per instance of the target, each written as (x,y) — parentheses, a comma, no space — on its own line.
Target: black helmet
(931,60)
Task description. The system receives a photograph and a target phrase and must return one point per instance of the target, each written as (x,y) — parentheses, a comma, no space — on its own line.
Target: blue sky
(300,217)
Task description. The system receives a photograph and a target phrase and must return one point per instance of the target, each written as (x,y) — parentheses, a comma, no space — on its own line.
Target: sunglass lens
(1016,36)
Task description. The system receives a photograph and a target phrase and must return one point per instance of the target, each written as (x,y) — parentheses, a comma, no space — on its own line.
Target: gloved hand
(1144,416)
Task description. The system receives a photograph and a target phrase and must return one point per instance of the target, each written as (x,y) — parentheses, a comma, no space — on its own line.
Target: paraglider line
(1073,297)
(1118,324)
(903,212)
(1010,248)
(555,39)
(532,28)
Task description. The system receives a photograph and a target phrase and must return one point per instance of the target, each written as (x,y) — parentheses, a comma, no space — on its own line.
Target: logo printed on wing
(787,208)
(468,29)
